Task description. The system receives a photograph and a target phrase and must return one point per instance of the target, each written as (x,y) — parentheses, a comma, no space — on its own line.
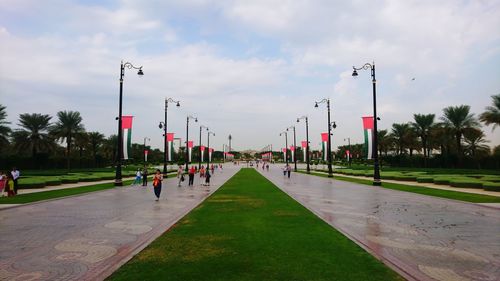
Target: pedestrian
(10,185)
(15,176)
(145,176)
(288,170)
(3,183)
(191,173)
(267,167)
(157,179)
(180,175)
(202,172)
(212,168)
(207,178)
(138,176)
(284,171)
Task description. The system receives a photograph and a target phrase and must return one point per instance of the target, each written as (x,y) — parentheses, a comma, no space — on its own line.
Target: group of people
(141,175)
(265,166)
(8,182)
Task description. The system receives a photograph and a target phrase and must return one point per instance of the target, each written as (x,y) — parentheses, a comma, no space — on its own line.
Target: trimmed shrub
(26,183)
(442,181)
(491,186)
(405,178)
(69,180)
(425,179)
(466,183)
(53,182)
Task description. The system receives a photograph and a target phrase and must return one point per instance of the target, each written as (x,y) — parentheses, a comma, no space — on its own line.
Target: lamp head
(316,105)
(160,125)
(298,120)
(140,73)
(178,104)
(195,119)
(334,125)
(354,72)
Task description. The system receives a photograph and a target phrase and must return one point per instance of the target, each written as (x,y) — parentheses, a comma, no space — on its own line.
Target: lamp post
(286,145)
(376,167)
(145,138)
(164,126)
(329,144)
(199,162)
(349,145)
(118,175)
(307,140)
(187,139)
(294,147)
(208,147)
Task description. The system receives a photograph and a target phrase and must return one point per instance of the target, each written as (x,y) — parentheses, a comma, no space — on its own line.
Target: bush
(466,183)
(442,181)
(405,178)
(53,182)
(491,186)
(26,183)
(69,179)
(425,179)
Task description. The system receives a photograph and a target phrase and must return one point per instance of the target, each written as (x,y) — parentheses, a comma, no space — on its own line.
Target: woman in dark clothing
(157,179)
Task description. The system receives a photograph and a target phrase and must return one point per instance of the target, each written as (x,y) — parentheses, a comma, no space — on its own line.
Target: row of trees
(457,134)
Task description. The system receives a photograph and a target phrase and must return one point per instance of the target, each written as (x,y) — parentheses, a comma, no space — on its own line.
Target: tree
(109,147)
(458,119)
(34,135)
(492,113)
(422,126)
(68,125)
(81,142)
(96,140)
(475,141)
(385,141)
(4,129)
(400,135)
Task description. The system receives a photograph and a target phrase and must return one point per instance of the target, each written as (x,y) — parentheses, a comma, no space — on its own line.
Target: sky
(248,68)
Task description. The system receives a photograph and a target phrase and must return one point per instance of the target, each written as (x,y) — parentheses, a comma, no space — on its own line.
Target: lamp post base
(118,182)
(330,175)
(377,183)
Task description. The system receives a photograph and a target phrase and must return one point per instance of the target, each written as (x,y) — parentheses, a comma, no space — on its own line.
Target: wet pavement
(421,237)
(88,237)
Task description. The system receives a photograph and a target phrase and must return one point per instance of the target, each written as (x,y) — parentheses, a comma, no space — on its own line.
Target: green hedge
(466,183)
(425,179)
(491,186)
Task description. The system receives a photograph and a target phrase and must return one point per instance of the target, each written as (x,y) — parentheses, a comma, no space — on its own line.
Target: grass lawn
(250,230)
(456,195)
(51,194)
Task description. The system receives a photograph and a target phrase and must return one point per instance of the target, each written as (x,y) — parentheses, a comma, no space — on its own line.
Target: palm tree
(68,125)
(458,119)
(34,135)
(4,129)
(422,126)
(384,141)
(96,139)
(492,113)
(109,147)
(475,141)
(400,135)
(81,142)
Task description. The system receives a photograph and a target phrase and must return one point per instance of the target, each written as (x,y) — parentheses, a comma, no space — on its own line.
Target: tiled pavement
(421,237)
(88,237)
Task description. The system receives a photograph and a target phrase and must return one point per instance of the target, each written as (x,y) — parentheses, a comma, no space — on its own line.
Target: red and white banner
(202,152)
(170,146)
(368,128)
(210,151)
(284,154)
(324,141)
(146,155)
(190,149)
(304,149)
(292,149)
(348,155)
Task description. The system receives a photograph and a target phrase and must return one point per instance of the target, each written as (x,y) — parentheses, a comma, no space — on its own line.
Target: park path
(88,237)
(421,237)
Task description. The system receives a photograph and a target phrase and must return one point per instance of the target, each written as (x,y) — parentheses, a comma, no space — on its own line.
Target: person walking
(3,183)
(207,178)
(10,185)
(288,170)
(157,180)
(267,167)
(191,173)
(145,176)
(15,176)
(202,172)
(180,176)
(138,176)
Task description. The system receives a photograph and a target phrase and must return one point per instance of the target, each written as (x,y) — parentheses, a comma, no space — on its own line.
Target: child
(207,178)
(10,185)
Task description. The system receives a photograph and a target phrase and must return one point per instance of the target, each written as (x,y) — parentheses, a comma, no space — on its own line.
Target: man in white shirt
(15,175)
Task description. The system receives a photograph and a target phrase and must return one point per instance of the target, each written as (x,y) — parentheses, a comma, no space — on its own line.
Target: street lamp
(329,144)
(201,127)
(118,175)
(286,145)
(376,167)
(164,126)
(294,147)
(307,141)
(208,147)
(145,138)
(349,145)
(187,139)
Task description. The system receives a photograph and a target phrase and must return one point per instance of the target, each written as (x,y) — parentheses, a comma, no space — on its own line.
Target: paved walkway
(421,237)
(88,237)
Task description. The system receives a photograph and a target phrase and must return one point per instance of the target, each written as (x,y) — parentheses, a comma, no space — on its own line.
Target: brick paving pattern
(88,237)
(421,237)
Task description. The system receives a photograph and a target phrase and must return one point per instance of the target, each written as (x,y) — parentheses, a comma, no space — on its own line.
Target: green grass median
(450,194)
(250,230)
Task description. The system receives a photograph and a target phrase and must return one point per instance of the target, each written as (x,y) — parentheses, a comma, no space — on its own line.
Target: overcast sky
(248,68)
